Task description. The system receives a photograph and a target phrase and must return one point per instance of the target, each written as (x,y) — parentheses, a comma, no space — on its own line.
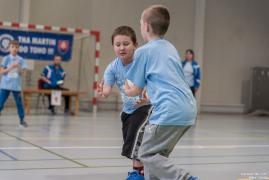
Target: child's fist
(100,87)
(15,64)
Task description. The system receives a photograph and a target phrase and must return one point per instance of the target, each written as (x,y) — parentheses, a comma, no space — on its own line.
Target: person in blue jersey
(157,66)
(191,71)
(12,69)
(53,76)
(135,109)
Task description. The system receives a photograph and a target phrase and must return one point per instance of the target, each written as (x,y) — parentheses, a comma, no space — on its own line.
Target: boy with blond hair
(157,66)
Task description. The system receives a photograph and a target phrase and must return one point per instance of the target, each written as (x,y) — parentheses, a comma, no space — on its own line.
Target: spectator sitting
(53,76)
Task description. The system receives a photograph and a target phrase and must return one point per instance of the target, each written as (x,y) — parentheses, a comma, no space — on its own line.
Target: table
(27,93)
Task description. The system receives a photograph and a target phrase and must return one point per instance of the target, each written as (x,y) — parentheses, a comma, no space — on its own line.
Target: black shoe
(52,110)
(67,112)
(23,124)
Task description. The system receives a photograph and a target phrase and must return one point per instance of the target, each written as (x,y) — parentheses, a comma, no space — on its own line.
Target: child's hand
(100,88)
(15,64)
(48,81)
(12,66)
(141,102)
(103,90)
(131,90)
(144,100)
(126,86)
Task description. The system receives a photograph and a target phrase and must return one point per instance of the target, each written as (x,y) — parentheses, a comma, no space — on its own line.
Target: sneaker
(23,125)
(134,175)
(193,178)
(67,112)
(52,110)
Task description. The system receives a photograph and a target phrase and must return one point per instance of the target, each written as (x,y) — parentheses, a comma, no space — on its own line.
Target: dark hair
(124,30)
(14,42)
(191,52)
(57,55)
(158,17)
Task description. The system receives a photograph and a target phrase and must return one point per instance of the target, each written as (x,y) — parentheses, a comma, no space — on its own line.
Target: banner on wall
(37,45)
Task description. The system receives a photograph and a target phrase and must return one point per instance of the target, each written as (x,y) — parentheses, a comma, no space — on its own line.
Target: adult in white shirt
(191,71)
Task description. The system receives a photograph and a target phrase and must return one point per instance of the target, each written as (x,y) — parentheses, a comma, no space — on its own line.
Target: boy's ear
(147,27)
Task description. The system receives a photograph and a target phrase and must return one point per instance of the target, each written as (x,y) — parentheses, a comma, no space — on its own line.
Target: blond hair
(158,17)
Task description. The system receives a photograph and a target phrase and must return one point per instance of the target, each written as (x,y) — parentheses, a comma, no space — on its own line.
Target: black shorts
(133,129)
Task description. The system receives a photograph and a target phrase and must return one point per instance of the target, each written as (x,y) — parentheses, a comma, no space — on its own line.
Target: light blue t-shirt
(157,66)
(12,80)
(116,73)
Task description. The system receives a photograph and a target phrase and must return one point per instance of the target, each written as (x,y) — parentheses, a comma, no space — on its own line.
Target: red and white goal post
(47,28)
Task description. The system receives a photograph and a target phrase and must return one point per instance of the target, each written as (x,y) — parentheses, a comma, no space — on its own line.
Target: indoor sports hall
(75,130)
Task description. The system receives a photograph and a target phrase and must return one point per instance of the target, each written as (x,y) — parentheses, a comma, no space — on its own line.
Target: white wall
(127,12)
(9,10)
(68,13)
(236,39)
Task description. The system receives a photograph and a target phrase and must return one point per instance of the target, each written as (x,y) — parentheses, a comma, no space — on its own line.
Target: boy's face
(13,49)
(57,60)
(124,47)
(189,56)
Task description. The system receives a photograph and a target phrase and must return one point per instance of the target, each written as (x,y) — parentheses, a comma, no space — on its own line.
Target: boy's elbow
(106,91)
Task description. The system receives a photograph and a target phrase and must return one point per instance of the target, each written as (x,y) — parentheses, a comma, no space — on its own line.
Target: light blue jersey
(116,73)
(157,65)
(12,80)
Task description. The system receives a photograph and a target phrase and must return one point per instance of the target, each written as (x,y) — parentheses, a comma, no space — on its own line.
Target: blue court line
(8,155)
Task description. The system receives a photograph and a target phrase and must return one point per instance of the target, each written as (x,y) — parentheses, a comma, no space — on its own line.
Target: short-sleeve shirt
(12,80)
(115,73)
(157,65)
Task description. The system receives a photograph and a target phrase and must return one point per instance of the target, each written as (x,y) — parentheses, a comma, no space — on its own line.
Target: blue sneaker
(193,178)
(134,175)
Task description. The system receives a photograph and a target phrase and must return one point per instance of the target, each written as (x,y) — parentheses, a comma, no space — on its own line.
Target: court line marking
(44,149)
(172,157)
(119,147)
(123,166)
(8,155)
(106,139)
(53,168)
